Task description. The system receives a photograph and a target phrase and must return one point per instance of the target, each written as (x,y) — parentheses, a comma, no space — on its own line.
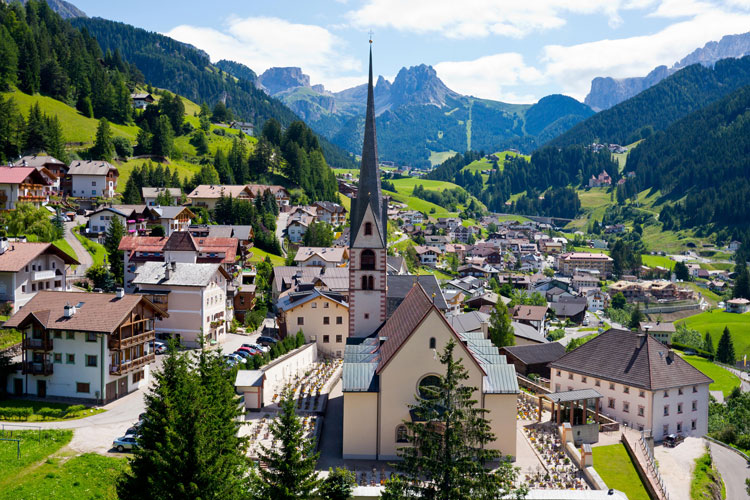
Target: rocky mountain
(66,10)
(237,70)
(418,115)
(607,92)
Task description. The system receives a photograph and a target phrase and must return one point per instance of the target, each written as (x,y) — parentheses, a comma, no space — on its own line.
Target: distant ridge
(66,10)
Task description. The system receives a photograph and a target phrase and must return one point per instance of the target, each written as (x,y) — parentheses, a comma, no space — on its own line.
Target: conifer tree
(104,148)
(55,142)
(36,130)
(338,485)
(501,330)
(742,282)
(708,343)
(448,458)
(291,465)
(114,235)
(132,194)
(636,316)
(725,350)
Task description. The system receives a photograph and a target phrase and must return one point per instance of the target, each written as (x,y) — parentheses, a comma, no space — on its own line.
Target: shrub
(15,413)
(300,339)
(72,410)
(556,335)
(46,413)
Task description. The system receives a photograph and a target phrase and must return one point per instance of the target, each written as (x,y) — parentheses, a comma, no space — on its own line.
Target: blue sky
(510,50)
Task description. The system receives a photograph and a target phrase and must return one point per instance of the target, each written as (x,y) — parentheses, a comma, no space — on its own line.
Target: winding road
(82,255)
(733,469)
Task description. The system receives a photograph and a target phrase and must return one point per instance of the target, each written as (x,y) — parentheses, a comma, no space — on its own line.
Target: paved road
(733,469)
(83,256)
(281,221)
(744,378)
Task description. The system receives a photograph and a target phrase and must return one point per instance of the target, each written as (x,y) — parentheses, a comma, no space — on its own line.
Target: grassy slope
(420,205)
(97,251)
(436,158)
(76,127)
(657,260)
(614,466)
(345,202)
(7,339)
(705,480)
(406,185)
(32,451)
(184,169)
(65,247)
(260,255)
(715,321)
(724,380)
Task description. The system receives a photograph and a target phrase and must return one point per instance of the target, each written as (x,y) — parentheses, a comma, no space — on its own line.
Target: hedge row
(24,413)
(277,350)
(699,352)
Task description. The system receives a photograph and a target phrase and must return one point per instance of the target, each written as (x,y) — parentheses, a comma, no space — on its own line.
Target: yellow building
(382,375)
(321,315)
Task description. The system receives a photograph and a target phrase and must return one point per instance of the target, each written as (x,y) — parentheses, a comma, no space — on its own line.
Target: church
(388,358)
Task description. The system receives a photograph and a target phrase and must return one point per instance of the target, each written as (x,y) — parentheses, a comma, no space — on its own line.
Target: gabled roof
(37,161)
(468,322)
(527,332)
(217,191)
(171,212)
(19,175)
(180,241)
(99,312)
(335,278)
(633,359)
(19,254)
(153,192)
(142,243)
(535,354)
(295,299)
(180,274)
(337,254)
(400,285)
(523,312)
(91,167)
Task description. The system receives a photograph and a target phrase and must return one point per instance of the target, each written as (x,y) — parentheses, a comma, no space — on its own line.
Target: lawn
(421,205)
(715,320)
(710,296)
(75,126)
(38,405)
(705,480)
(345,202)
(65,247)
(67,478)
(438,157)
(657,260)
(407,184)
(9,338)
(616,469)
(441,275)
(724,380)
(32,451)
(97,251)
(260,255)
(183,168)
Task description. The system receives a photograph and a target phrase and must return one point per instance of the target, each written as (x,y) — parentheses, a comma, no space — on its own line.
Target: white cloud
(265,42)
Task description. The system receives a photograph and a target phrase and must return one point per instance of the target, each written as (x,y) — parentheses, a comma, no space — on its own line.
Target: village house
(570,308)
(550,246)
(90,179)
(399,287)
(464,234)
(569,263)
(48,166)
(382,374)
(516,281)
(207,195)
(28,268)
(597,299)
(246,128)
(428,255)
(133,219)
(91,346)
(330,213)
(534,316)
(411,217)
(150,194)
(661,331)
(141,100)
(280,193)
(438,241)
(171,218)
(322,256)
(603,179)
(644,384)
(335,279)
(23,185)
(321,315)
(533,358)
(297,225)
(448,223)
(585,279)
(739,306)
(396,265)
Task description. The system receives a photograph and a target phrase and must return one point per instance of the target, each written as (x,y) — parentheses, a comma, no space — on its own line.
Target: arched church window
(368,228)
(432,342)
(368,260)
(401,434)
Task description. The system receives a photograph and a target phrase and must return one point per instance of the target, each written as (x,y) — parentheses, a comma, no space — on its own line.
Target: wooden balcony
(38,344)
(116,343)
(30,368)
(129,366)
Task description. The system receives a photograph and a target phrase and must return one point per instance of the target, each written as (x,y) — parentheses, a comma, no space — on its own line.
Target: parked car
(125,443)
(243,354)
(267,341)
(158,347)
(135,430)
(234,357)
(257,347)
(248,350)
(673,440)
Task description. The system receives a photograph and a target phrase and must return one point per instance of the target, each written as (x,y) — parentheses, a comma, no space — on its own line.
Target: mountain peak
(277,80)
(419,85)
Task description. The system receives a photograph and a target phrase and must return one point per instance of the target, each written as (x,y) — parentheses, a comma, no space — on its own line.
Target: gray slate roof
(399,286)
(535,354)
(528,332)
(184,274)
(468,322)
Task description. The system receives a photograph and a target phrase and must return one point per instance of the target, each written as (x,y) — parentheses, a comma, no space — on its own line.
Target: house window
(339,320)
(401,434)
(326,339)
(665,430)
(679,426)
(570,376)
(641,411)
(666,410)
(83,387)
(427,387)
(33,287)
(666,394)
(695,389)
(367,315)
(626,407)
(368,260)
(370,283)
(583,379)
(597,382)
(368,228)
(679,391)
(558,373)
(314,305)
(679,408)
(93,183)
(23,288)
(695,406)
(693,425)
(641,394)
(611,403)
(58,357)
(90,360)
(58,334)
(90,337)
(611,386)
(325,305)
(71,336)
(300,320)
(326,320)
(138,376)
(71,359)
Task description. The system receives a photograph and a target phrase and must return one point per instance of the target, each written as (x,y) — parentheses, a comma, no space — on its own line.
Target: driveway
(281,221)
(733,469)
(676,465)
(82,255)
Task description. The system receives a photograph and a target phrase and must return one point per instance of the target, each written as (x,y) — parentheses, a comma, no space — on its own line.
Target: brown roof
(534,354)
(529,313)
(143,243)
(180,241)
(48,308)
(631,359)
(19,254)
(217,191)
(18,175)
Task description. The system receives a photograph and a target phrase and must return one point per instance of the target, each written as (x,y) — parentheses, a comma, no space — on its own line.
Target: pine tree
(114,235)
(132,194)
(291,465)
(708,343)
(162,138)
(635,318)
(742,282)
(55,142)
(501,330)
(725,350)
(36,130)
(448,458)
(338,485)
(104,148)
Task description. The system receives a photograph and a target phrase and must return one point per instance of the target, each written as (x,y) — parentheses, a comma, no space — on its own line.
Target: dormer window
(368,228)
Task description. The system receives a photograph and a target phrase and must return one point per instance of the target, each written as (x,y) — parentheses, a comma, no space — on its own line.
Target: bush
(72,410)
(700,352)
(556,335)
(300,339)
(123,148)
(15,413)
(46,413)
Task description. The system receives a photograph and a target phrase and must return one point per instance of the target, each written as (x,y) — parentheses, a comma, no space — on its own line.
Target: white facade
(91,186)
(46,272)
(678,410)
(367,304)
(99,222)
(296,231)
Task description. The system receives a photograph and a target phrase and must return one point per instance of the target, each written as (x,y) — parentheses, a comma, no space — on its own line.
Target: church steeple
(369,190)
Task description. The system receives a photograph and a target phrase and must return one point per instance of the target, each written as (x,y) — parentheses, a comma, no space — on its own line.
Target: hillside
(658,107)
(418,115)
(66,10)
(607,91)
(186,70)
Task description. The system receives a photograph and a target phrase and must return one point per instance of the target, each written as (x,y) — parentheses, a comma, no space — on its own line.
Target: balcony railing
(30,368)
(128,366)
(39,344)
(117,344)
(43,275)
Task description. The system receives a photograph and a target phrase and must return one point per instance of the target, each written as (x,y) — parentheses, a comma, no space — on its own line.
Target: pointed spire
(369,191)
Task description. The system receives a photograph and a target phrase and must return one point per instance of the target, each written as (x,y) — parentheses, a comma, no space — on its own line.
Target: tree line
(260,214)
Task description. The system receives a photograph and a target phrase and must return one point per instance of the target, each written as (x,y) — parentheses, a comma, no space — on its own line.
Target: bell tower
(368,239)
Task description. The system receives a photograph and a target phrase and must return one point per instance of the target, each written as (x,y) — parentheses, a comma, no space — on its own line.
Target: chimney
(670,355)
(69,310)
(485,329)
(642,337)
(382,340)
(120,293)
(167,271)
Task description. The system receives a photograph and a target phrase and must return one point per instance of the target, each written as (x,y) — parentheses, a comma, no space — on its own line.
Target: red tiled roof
(16,175)
(142,243)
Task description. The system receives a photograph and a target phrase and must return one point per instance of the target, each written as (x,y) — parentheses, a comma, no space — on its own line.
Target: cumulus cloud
(265,42)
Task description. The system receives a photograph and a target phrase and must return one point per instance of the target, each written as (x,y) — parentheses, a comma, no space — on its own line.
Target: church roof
(369,190)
